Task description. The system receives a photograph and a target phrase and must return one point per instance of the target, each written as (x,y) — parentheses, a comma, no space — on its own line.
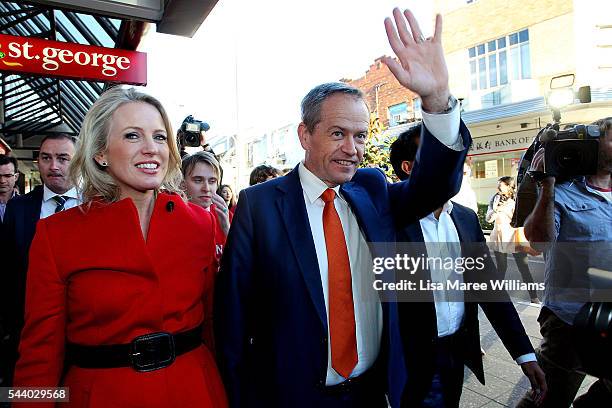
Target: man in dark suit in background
(442,336)
(22,213)
(8,178)
(297,320)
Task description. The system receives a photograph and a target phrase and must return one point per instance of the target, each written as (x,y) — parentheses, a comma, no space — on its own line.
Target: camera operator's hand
(222,212)
(540,224)
(537,165)
(536,376)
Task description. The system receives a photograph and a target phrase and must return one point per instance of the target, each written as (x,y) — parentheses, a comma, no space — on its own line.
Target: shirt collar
(447,208)
(312,185)
(48,194)
(582,184)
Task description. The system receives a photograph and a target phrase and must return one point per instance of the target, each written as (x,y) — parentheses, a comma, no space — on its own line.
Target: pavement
(505,382)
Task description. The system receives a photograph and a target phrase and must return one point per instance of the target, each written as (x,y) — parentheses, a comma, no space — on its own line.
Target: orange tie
(340,291)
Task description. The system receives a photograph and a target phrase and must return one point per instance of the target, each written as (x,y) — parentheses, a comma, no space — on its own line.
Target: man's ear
(304,136)
(406,166)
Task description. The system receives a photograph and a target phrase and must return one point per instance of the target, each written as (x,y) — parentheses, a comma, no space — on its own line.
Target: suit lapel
(459,225)
(465,236)
(32,212)
(414,232)
(295,218)
(364,210)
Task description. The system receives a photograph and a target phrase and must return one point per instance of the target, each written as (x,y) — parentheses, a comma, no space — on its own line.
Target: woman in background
(504,236)
(116,289)
(228,195)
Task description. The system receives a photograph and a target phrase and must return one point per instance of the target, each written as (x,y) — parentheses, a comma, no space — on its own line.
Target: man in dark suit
(298,322)
(8,177)
(22,213)
(445,330)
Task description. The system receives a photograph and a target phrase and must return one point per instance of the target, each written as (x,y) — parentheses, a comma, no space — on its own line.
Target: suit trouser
(558,358)
(447,383)
(363,398)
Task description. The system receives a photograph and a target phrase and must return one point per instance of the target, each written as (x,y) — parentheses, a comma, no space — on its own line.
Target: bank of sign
(502,143)
(27,55)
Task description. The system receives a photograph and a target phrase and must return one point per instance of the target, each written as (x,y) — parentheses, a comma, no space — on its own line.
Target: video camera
(593,334)
(569,152)
(190,132)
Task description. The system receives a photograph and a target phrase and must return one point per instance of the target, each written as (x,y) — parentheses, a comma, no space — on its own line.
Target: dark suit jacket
(22,214)
(270,317)
(418,346)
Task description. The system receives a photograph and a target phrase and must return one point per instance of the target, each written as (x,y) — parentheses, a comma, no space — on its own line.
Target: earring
(104,164)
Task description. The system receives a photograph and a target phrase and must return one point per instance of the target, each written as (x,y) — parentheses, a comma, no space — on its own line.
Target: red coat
(220,236)
(93,280)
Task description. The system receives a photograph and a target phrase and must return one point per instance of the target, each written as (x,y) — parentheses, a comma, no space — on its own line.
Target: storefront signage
(502,143)
(28,55)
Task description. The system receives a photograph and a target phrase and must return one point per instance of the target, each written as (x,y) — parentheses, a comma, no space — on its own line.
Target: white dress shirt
(367,308)
(437,233)
(449,315)
(48,204)
(445,127)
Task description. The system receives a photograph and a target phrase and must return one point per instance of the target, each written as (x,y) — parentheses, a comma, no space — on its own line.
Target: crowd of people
(135,278)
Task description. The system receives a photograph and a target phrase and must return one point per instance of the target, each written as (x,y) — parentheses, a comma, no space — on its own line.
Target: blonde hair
(93,179)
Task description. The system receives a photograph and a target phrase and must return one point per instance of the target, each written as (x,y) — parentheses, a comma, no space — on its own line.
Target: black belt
(350,384)
(144,353)
(452,340)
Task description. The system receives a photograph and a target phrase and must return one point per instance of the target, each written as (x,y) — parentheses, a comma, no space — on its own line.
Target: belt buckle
(152,351)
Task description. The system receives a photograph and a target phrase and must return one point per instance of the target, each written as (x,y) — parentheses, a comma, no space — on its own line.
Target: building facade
(393,104)
(502,55)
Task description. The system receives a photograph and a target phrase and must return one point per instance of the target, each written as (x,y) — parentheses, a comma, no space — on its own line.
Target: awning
(33,106)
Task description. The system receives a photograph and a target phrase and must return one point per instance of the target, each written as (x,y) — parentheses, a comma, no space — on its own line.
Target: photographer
(192,133)
(578,211)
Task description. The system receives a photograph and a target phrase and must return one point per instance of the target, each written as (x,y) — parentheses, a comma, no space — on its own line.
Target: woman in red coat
(116,287)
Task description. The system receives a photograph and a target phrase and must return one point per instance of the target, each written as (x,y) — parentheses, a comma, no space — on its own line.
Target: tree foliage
(377,148)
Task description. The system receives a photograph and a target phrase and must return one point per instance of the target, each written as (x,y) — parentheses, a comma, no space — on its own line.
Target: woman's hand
(222,212)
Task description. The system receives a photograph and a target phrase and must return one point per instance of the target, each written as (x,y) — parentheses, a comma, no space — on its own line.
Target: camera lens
(192,139)
(568,157)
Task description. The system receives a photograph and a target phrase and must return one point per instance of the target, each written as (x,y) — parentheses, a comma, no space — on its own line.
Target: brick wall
(390,92)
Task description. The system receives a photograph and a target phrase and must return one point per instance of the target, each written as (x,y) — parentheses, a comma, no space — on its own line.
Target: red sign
(28,55)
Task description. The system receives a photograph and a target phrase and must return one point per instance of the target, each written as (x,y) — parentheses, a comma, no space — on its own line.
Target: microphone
(170,206)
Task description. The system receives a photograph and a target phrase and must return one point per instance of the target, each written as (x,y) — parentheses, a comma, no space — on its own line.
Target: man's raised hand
(421,67)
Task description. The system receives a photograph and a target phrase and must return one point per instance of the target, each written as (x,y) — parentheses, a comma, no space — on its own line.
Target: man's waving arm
(438,169)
